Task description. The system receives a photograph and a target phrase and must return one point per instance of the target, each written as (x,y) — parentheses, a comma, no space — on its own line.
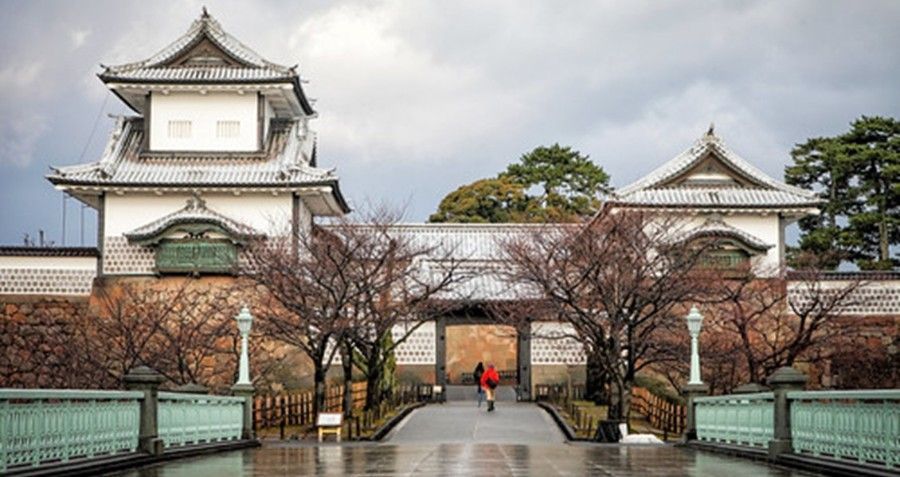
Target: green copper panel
(195,256)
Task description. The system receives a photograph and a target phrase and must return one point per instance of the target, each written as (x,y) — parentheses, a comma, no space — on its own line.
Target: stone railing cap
(191,388)
(143,374)
(787,375)
(750,388)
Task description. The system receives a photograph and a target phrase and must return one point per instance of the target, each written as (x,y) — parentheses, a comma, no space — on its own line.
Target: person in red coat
(489,382)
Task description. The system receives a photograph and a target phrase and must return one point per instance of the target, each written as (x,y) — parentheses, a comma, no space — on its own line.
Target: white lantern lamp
(694,324)
(244,322)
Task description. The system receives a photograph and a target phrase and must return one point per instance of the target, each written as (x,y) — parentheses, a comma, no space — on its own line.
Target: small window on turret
(228,129)
(179,129)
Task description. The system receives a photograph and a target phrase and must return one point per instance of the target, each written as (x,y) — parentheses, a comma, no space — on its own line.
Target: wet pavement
(460,439)
(465,460)
(463,422)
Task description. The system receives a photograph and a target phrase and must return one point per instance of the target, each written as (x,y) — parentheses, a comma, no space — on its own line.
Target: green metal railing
(859,425)
(39,425)
(742,419)
(195,418)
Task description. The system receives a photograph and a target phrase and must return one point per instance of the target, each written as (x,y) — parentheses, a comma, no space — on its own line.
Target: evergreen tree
(567,187)
(857,174)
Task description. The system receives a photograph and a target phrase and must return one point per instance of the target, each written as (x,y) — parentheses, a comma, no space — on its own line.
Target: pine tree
(857,174)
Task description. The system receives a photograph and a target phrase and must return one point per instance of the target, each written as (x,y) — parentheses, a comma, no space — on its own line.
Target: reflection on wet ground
(461,439)
(465,460)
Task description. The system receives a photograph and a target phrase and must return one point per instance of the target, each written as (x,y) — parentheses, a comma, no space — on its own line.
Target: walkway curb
(386,428)
(567,430)
(128,461)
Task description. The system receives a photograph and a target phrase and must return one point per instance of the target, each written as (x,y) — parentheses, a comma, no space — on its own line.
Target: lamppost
(244,387)
(694,323)
(244,322)
(695,387)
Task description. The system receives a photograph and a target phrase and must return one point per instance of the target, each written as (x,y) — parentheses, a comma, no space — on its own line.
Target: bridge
(46,432)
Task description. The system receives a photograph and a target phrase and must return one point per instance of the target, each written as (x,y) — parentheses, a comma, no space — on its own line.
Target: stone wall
(34,333)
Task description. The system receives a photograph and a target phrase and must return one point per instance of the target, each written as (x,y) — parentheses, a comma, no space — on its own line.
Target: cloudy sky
(416,98)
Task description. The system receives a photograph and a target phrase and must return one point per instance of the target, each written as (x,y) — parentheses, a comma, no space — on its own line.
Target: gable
(204,52)
(711,170)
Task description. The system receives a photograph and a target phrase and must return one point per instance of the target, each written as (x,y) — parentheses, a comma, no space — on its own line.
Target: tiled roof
(714,197)
(194,212)
(240,64)
(478,248)
(715,227)
(284,163)
(26,251)
(762,190)
(199,74)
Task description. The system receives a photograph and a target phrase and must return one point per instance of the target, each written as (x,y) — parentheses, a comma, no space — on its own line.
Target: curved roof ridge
(195,210)
(715,226)
(689,157)
(205,26)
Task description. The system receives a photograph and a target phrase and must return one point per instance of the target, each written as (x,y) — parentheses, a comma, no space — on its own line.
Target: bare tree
(621,281)
(402,283)
(176,326)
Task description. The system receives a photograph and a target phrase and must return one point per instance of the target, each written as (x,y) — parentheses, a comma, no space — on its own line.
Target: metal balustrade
(858,425)
(195,418)
(743,419)
(41,425)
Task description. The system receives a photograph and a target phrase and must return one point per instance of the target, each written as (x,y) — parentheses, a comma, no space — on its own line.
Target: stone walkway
(463,422)
(459,439)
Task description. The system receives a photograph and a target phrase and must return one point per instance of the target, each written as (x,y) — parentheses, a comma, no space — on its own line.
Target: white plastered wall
(204,111)
(267,213)
(46,275)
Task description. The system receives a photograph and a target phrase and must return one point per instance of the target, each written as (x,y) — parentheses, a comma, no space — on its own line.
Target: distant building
(220,150)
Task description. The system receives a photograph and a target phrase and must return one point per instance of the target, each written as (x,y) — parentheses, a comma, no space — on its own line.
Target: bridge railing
(863,426)
(42,425)
(195,418)
(742,419)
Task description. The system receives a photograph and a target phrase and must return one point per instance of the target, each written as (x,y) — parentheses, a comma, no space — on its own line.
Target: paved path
(463,422)
(543,460)
(459,439)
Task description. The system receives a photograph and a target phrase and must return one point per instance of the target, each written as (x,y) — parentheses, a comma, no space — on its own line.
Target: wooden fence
(664,414)
(661,412)
(296,408)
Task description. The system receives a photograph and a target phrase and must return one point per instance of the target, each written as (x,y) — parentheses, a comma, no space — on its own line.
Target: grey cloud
(418,97)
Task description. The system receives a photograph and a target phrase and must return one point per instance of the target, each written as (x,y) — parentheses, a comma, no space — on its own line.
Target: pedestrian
(479,371)
(489,381)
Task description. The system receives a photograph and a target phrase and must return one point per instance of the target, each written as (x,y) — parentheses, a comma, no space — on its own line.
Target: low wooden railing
(296,408)
(281,411)
(663,413)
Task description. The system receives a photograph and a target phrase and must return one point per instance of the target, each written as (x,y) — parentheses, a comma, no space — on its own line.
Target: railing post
(245,391)
(147,380)
(691,392)
(782,381)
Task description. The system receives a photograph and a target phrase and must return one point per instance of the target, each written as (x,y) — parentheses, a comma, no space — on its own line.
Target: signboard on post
(329,423)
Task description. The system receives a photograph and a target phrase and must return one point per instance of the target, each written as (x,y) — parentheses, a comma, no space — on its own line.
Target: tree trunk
(347,365)
(620,401)
(597,382)
(319,378)
(373,381)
